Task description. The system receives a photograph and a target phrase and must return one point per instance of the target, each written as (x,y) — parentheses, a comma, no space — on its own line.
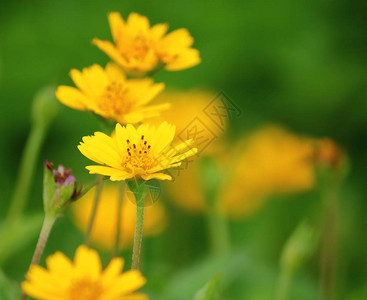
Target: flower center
(85,289)
(138,155)
(114,100)
(138,48)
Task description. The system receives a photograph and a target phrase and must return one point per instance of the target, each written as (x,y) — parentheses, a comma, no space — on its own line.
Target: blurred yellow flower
(269,161)
(108,93)
(130,152)
(187,113)
(104,229)
(82,279)
(140,48)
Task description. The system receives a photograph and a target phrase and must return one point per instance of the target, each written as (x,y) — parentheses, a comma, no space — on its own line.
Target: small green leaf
(210,290)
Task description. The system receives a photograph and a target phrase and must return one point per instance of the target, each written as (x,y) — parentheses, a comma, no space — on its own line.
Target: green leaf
(8,290)
(210,290)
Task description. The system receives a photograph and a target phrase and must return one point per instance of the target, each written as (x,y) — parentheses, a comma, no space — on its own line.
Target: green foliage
(8,290)
(210,290)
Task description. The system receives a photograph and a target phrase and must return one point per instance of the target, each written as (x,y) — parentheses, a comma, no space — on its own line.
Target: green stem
(283,285)
(97,196)
(218,232)
(42,240)
(22,187)
(25,175)
(118,220)
(328,247)
(138,188)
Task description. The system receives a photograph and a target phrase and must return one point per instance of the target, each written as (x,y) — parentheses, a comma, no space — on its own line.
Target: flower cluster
(122,93)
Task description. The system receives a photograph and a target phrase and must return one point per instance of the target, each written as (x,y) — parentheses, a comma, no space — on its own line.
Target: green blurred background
(302,64)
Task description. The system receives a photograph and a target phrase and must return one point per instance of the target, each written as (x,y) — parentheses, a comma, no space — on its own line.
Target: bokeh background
(300,64)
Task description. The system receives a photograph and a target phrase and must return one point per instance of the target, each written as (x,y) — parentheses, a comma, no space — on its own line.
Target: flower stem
(118,220)
(25,175)
(42,240)
(283,285)
(97,196)
(138,188)
(329,241)
(218,231)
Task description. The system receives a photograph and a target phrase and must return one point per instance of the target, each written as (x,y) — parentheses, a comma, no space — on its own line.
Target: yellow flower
(269,161)
(108,93)
(104,229)
(130,152)
(140,48)
(82,279)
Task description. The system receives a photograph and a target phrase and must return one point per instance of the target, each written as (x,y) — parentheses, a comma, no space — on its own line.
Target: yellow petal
(110,50)
(186,59)
(87,262)
(115,73)
(117,25)
(177,39)
(71,97)
(126,283)
(137,22)
(113,270)
(159,30)
(159,176)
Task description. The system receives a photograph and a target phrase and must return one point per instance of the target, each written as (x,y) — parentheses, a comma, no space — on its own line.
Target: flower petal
(117,25)
(71,97)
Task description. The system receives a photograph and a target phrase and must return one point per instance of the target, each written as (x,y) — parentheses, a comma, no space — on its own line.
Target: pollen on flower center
(138,154)
(85,289)
(114,99)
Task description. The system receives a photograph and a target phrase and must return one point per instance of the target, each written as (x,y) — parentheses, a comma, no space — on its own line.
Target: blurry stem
(97,196)
(328,246)
(218,231)
(138,237)
(25,175)
(22,186)
(48,223)
(118,219)
(283,284)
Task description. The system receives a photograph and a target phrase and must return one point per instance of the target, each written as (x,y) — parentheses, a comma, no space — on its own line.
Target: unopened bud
(59,187)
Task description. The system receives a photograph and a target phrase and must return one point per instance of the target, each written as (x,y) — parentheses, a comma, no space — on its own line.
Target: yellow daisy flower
(140,48)
(130,152)
(108,93)
(104,229)
(269,161)
(82,279)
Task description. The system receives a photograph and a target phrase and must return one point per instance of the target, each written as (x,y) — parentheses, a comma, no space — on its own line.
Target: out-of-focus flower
(269,161)
(130,152)
(83,278)
(59,189)
(188,113)
(140,48)
(108,93)
(104,229)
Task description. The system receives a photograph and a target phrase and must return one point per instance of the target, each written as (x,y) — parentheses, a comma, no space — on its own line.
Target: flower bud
(59,187)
